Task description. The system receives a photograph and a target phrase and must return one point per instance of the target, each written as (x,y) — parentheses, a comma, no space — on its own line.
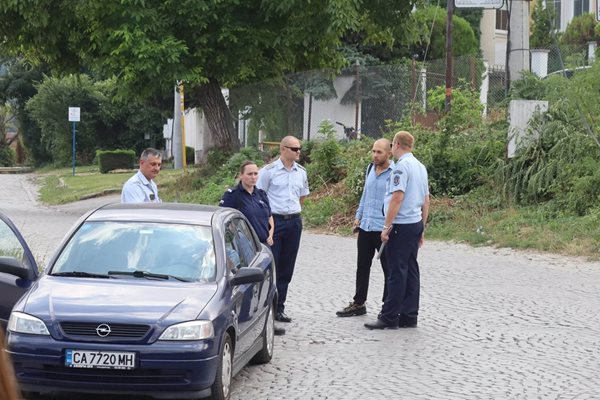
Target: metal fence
(368,96)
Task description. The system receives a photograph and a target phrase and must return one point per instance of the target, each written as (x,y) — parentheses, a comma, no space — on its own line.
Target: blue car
(163,300)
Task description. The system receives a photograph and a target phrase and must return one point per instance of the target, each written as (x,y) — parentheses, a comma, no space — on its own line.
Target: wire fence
(369,97)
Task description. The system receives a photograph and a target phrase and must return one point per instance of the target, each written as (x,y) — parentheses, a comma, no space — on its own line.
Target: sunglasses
(295,149)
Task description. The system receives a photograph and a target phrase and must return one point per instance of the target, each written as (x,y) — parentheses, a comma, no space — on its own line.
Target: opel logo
(103,330)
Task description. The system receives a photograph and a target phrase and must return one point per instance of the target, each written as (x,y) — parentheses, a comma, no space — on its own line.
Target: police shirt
(284,187)
(409,176)
(255,206)
(370,209)
(138,189)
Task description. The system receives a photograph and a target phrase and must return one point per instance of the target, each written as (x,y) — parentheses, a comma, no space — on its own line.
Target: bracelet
(385,228)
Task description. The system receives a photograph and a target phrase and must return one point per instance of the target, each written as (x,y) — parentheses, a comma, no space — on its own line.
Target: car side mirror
(12,266)
(248,275)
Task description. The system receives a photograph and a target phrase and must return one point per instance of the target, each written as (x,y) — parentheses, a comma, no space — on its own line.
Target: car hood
(131,300)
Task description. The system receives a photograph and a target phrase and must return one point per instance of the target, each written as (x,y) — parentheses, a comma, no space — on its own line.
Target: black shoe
(407,322)
(352,309)
(379,324)
(279,331)
(281,317)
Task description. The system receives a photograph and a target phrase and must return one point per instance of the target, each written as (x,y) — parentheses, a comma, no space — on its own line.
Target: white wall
(330,110)
(519,114)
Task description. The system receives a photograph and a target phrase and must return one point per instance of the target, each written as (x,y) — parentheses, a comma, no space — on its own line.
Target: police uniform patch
(396,179)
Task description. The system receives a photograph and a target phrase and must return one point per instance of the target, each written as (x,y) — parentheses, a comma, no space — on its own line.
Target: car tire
(221,388)
(266,353)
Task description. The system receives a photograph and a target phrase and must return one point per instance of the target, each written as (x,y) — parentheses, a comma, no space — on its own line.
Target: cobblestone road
(494,323)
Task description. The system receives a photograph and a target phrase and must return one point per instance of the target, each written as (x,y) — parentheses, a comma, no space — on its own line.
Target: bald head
(381,152)
(289,148)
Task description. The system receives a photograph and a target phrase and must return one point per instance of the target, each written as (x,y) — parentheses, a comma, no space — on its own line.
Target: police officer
(406,210)
(286,184)
(369,223)
(252,202)
(141,188)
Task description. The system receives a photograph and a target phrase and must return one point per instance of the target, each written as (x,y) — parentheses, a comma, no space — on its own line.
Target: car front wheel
(221,389)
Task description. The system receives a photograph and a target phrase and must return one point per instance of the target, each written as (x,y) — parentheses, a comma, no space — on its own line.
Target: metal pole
(309,115)
(74,123)
(183,128)
(357,108)
(449,71)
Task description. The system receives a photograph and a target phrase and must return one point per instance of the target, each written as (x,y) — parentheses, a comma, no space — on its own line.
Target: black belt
(286,216)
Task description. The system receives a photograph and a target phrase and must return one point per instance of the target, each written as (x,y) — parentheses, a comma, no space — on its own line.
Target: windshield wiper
(147,275)
(80,274)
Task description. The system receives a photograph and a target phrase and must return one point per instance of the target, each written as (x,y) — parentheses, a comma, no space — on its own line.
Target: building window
(581,7)
(502,20)
(557,5)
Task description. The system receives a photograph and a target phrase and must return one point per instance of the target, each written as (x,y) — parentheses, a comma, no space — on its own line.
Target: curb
(15,170)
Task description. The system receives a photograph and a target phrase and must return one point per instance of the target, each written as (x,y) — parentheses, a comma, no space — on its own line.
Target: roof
(157,212)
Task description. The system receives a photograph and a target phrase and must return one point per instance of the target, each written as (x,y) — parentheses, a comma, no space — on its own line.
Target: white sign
(74,113)
(479,3)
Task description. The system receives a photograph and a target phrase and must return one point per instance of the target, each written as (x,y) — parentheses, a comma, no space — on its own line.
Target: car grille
(108,376)
(129,331)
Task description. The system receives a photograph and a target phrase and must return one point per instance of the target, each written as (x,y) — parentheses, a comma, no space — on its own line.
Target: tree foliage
(151,44)
(580,30)
(542,29)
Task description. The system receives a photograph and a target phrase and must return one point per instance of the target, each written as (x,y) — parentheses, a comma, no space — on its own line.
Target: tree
(151,44)
(542,29)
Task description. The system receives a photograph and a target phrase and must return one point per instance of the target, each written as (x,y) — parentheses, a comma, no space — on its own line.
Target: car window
(232,254)
(10,245)
(182,251)
(245,238)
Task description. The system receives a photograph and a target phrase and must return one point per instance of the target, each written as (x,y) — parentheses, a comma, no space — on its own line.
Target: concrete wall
(330,110)
(519,114)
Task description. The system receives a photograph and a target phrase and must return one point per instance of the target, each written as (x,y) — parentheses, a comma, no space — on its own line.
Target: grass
(476,221)
(60,186)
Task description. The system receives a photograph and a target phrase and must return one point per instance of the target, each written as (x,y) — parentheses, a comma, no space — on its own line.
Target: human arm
(133,193)
(227,200)
(425,215)
(393,208)
(271,230)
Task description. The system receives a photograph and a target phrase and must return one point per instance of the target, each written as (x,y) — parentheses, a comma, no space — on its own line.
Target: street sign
(479,3)
(74,114)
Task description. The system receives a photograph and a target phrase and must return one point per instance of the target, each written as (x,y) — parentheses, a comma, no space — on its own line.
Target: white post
(485,88)
(539,62)
(176,145)
(591,52)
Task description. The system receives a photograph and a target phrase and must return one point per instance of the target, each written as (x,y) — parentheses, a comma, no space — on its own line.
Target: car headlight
(192,330)
(25,323)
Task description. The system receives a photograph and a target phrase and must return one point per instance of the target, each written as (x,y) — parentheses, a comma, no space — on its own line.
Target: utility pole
(177,142)
(357,106)
(449,70)
(517,48)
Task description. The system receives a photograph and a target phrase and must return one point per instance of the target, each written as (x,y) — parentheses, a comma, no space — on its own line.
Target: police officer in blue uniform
(406,210)
(252,202)
(141,188)
(286,184)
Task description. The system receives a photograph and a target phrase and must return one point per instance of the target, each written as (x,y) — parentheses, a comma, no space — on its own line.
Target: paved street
(494,323)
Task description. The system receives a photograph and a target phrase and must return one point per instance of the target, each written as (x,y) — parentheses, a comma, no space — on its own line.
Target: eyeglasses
(294,149)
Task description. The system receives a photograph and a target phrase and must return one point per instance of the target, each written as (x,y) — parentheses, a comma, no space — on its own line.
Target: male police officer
(369,223)
(406,211)
(286,184)
(140,188)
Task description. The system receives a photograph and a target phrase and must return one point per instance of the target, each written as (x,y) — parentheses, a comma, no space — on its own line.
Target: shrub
(7,156)
(109,160)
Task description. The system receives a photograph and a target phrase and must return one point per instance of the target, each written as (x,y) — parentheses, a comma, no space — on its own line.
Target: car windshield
(118,249)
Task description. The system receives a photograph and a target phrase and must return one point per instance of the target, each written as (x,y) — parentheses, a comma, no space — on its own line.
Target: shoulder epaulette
(269,166)
(301,167)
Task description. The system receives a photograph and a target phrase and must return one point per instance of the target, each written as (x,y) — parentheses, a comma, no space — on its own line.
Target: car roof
(193,214)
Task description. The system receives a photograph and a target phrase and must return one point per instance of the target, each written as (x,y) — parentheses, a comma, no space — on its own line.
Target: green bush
(109,160)
(190,155)
(7,156)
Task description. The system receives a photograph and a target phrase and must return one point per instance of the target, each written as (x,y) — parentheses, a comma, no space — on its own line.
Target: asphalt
(494,323)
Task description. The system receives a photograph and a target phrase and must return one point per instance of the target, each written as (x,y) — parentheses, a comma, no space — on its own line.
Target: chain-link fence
(371,96)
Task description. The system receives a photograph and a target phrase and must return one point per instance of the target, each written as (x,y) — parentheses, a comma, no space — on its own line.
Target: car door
(18,269)
(242,251)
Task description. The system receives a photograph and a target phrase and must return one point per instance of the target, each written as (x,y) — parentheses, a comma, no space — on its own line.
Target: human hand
(355,226)
(385,235)
(270,240)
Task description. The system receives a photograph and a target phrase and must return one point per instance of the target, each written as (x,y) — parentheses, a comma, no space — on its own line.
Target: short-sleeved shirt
(255,206)
(138,189)
(409,176)
(284,187)
(370,209)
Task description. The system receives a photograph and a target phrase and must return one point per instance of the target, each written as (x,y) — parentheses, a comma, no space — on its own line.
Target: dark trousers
(403,273)
(286,240)
(367,244)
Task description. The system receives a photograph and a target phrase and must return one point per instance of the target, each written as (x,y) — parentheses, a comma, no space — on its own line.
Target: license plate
(99,359)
